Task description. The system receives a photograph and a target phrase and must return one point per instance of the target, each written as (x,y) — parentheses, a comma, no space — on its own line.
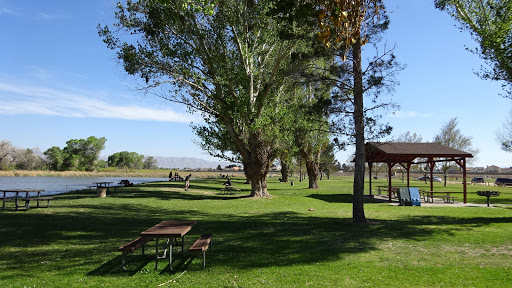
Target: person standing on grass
(187,181)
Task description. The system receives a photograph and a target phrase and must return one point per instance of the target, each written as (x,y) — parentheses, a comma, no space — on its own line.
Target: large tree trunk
(359,168)
(285,170)
(257,165)
(312,169)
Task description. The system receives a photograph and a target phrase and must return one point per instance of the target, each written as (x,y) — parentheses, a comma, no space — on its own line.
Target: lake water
(59,185)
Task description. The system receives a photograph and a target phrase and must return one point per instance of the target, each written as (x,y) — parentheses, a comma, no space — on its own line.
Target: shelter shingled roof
(400,152)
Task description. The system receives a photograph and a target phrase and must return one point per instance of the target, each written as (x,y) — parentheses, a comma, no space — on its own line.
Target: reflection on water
(59,185)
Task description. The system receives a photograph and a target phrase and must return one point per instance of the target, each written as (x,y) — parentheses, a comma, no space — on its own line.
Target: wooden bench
(226,190)
(130,247)
(47,199)
(201,245)
(449,199)
(230,190)
(19,199)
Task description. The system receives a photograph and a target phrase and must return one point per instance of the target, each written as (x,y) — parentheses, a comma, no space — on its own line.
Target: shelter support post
(462,165)
(370,166)
(408,173)
(390,166)
(431,163)
(464,179)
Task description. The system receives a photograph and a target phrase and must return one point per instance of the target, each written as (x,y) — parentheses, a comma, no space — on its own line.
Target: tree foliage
(126,160)
(328,161)
(311,127)
(345,22)
(408,137)
(504,135)
(490,24)
(28,159)
(227,60)
(54,158)
(150,162)
(6,154)
(78,154)
(451,136)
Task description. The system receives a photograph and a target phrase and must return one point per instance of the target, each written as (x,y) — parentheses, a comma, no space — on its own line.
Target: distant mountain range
(188,162)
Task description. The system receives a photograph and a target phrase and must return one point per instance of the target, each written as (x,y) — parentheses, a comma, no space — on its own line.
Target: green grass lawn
(297,238)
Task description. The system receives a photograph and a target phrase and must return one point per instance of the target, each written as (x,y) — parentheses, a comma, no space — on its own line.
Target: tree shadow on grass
(91,233)
(133,264)
(176,195)
(340,198)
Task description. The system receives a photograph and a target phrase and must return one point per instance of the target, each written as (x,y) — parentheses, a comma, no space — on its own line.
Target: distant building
(493,169)
(476,169)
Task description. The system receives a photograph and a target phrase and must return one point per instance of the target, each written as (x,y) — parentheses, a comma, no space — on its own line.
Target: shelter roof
(400,152)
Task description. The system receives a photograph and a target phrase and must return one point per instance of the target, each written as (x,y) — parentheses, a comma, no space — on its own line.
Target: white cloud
(23,100)
(48,16)
(7,11)
(409,114)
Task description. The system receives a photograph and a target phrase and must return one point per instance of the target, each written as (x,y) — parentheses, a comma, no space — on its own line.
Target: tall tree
(451,136)
(54,158)
(410,137)
(311,128)
(150,162)
(27,159)
(83,154)
(490,24)
(226,59)
(347,25)
(6,154)
(125,159)
(328,161)
(504,135)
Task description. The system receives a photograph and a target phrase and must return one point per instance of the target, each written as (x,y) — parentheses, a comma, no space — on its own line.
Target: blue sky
(58,81)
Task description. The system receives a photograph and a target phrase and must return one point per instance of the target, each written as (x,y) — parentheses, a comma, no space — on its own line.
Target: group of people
(177,176)
(187,179)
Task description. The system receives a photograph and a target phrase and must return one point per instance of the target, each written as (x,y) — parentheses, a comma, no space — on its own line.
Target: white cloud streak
(7,11)
(409,114)
(25,100)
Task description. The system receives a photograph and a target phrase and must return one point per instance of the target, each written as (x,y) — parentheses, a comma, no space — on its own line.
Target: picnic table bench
(17,198)
(170,230)
(130,247)
(201,245)
(176,179)
(445,195)
(230,190)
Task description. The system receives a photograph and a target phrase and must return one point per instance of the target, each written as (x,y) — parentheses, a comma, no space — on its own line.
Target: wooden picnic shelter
(407,154)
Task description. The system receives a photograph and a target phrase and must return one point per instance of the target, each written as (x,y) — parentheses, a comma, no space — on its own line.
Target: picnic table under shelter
(407,154)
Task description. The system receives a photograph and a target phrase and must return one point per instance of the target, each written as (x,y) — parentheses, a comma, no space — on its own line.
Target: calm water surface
(59,185)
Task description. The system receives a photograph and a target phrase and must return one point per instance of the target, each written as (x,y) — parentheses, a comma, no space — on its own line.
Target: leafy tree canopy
(227,60)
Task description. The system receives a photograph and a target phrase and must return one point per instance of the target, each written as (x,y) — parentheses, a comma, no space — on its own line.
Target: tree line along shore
(154,173)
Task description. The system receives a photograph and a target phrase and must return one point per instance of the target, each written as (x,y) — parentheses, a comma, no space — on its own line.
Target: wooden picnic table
(102,184)
(170,230)
(18,197)
(229,190)
(176,179)
(102,188)
(445,195)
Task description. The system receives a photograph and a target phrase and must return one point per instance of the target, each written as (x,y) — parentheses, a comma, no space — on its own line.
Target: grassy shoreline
(299,237)
(157,173)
